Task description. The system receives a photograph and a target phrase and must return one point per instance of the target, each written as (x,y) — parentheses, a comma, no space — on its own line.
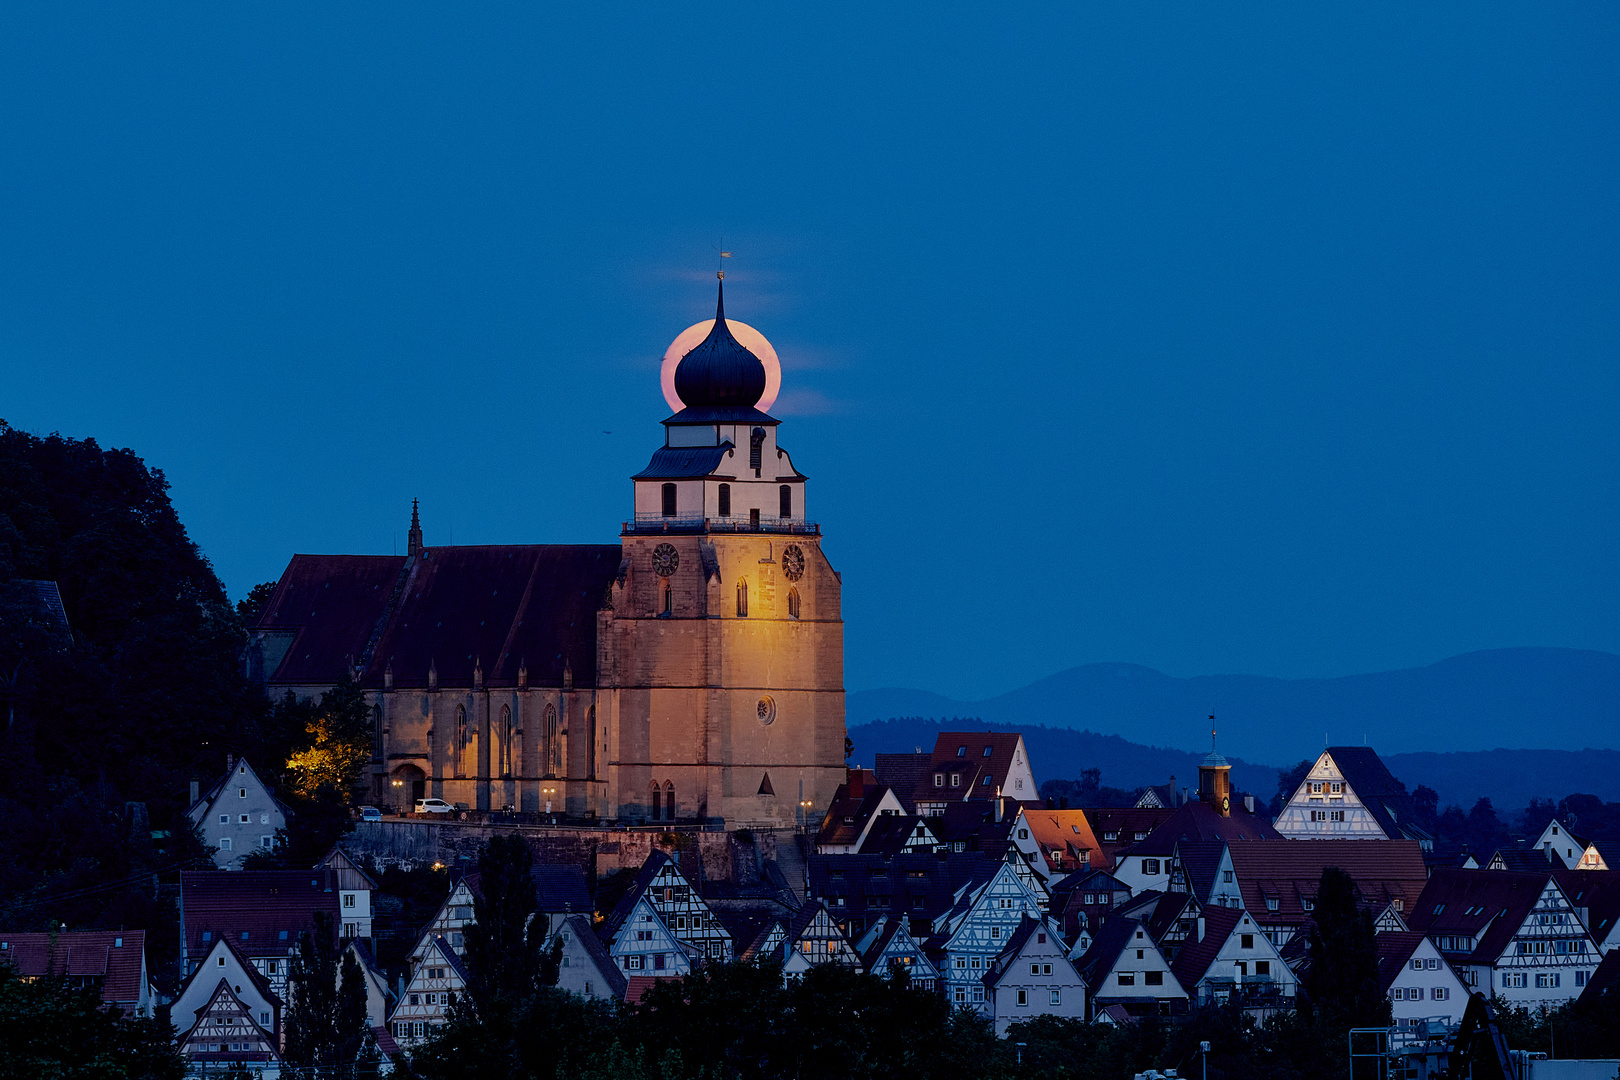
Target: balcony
(657,523)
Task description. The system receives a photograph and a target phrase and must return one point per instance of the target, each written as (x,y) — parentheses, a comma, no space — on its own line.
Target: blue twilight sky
(1272,339)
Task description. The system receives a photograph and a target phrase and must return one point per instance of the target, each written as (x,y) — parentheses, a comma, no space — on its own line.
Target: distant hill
(1510,778)
(1552,699)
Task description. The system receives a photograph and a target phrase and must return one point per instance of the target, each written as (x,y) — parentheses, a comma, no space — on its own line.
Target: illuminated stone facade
(693,672)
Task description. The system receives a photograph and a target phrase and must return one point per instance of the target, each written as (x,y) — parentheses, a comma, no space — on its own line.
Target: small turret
(1215,779)
(414,544)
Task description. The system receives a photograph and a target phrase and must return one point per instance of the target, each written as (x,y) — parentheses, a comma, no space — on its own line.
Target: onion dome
(1214,761)
(719,371)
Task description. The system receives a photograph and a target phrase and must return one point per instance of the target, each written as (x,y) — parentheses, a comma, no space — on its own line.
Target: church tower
(721,655)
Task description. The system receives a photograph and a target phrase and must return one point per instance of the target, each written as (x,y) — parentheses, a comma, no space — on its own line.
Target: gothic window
(742,598)
(756,445)
(461,727)
(657,801)
(506,740)
(669,800)
(376,727)
(668,599)
(786,495)
(553,751)
(590,743)
(669,500)
(725,500)
(793,603)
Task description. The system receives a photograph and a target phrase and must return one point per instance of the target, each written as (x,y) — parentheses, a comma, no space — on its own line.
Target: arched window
(667,598)
(506,740)
(590,745)
(786,498)
(377,729)
(669,800)
(461,727)
(742,598)
(793,602)
(756,449)
(657,801)
(669,500)
(553,750)
(725,500)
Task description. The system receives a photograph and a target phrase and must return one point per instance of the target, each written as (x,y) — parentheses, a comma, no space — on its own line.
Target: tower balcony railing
(658,523)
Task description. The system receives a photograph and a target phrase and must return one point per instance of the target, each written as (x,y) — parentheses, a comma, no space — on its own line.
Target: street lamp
(804,815)
(549,792)
(399,793)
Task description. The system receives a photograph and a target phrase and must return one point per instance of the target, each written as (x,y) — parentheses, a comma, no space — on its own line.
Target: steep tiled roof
(1488,905)
(1197,820)
(1200,860)
(889,832)
(1598,892)
(636,986)
(644,878)
(965,752)
(585,934)
(1106,944)
(1517,856)
(1604,979)
(1123,823)
(498,606)
(1066,831)
(1195,956)
(560,887)
(1289,871)
(1395,948)
(847,814)
(902,772)
(1009,952)
(1383,795)
(115,956)
(934,879)
(253,909)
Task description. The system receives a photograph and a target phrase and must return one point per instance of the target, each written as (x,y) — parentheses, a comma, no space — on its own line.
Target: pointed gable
(680,907)
(226,1030)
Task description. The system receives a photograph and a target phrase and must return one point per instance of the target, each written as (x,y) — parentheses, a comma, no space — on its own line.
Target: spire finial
(1212,733)
(413,546)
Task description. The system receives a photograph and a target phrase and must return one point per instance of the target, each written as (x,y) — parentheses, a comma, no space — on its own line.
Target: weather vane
(1212,733)
(721,273)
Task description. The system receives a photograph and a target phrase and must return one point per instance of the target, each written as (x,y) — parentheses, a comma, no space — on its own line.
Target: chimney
(998,808)
(196,793)
(1248,803)
(857,787)
(1172,786)
(1200,936)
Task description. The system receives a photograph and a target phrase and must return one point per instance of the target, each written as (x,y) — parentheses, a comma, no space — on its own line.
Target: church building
(694,671)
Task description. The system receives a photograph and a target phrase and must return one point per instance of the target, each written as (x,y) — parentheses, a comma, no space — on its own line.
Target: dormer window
(939,779)
(961,751)
(988,751)
(956,779)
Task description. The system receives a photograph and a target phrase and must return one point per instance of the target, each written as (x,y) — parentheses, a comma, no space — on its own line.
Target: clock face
(665,559)
(793,562)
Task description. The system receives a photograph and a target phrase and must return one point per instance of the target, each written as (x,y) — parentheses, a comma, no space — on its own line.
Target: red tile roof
(1197,820)
(1488,905)
(1289,871)
(1066,832)
(500,606)
(1395,948)
(1195,956)
(114,956)
(636,986)
(965,752)
(260,912)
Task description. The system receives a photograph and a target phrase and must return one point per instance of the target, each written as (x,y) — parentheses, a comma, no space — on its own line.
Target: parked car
(370,813)
(433,806)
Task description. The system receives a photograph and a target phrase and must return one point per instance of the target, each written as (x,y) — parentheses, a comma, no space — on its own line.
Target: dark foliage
(326,1020)
(1287,783)
(506,942)
(51,1031)
(1087,791)
(1341,986)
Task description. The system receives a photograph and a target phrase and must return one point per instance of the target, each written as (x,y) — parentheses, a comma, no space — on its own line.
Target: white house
(641,945)
(225,992)
(238,815)
(682,911)
(449,923)
(1514,935)
(974,932)
(1349,794)
(1125,967)
(1596,900)
(1419,982)
(1032,977)
(1228,957)
(355,887)
(226,1033)
(858,804)
(586,968)
(888,944)
(436,983)
(1562,847)
(1056,843)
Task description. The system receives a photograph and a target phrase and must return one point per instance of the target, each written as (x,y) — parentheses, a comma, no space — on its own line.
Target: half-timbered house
(973,933)
(226,1032)
(250,994)
(642,945)
(888,945)
(436,982)
(678,905)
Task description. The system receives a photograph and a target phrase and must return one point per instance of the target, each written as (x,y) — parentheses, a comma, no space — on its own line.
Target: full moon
(746,336)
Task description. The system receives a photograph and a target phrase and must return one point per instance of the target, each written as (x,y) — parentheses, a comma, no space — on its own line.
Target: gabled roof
(1289,872)
(848,814)
(902,772)
(448,955)
(1013,949)
(1111,938)
(1384,796)
(560,887)
(260,983)
(253,908)
(498,607)
(351,875)
(1066,831)
(935,878)
(1086,881)
(1197,820)
(890,832)
(1487,905)
(232,764)
(1604,979)
(585,934)
(1193,961)
(115,956)
(1200,860)
(1598,892)
(1123,823)
(1394,950)
(1516,856)
(975,754)
(644,879)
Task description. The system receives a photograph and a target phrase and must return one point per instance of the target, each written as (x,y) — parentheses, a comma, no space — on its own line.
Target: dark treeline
(105,727)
